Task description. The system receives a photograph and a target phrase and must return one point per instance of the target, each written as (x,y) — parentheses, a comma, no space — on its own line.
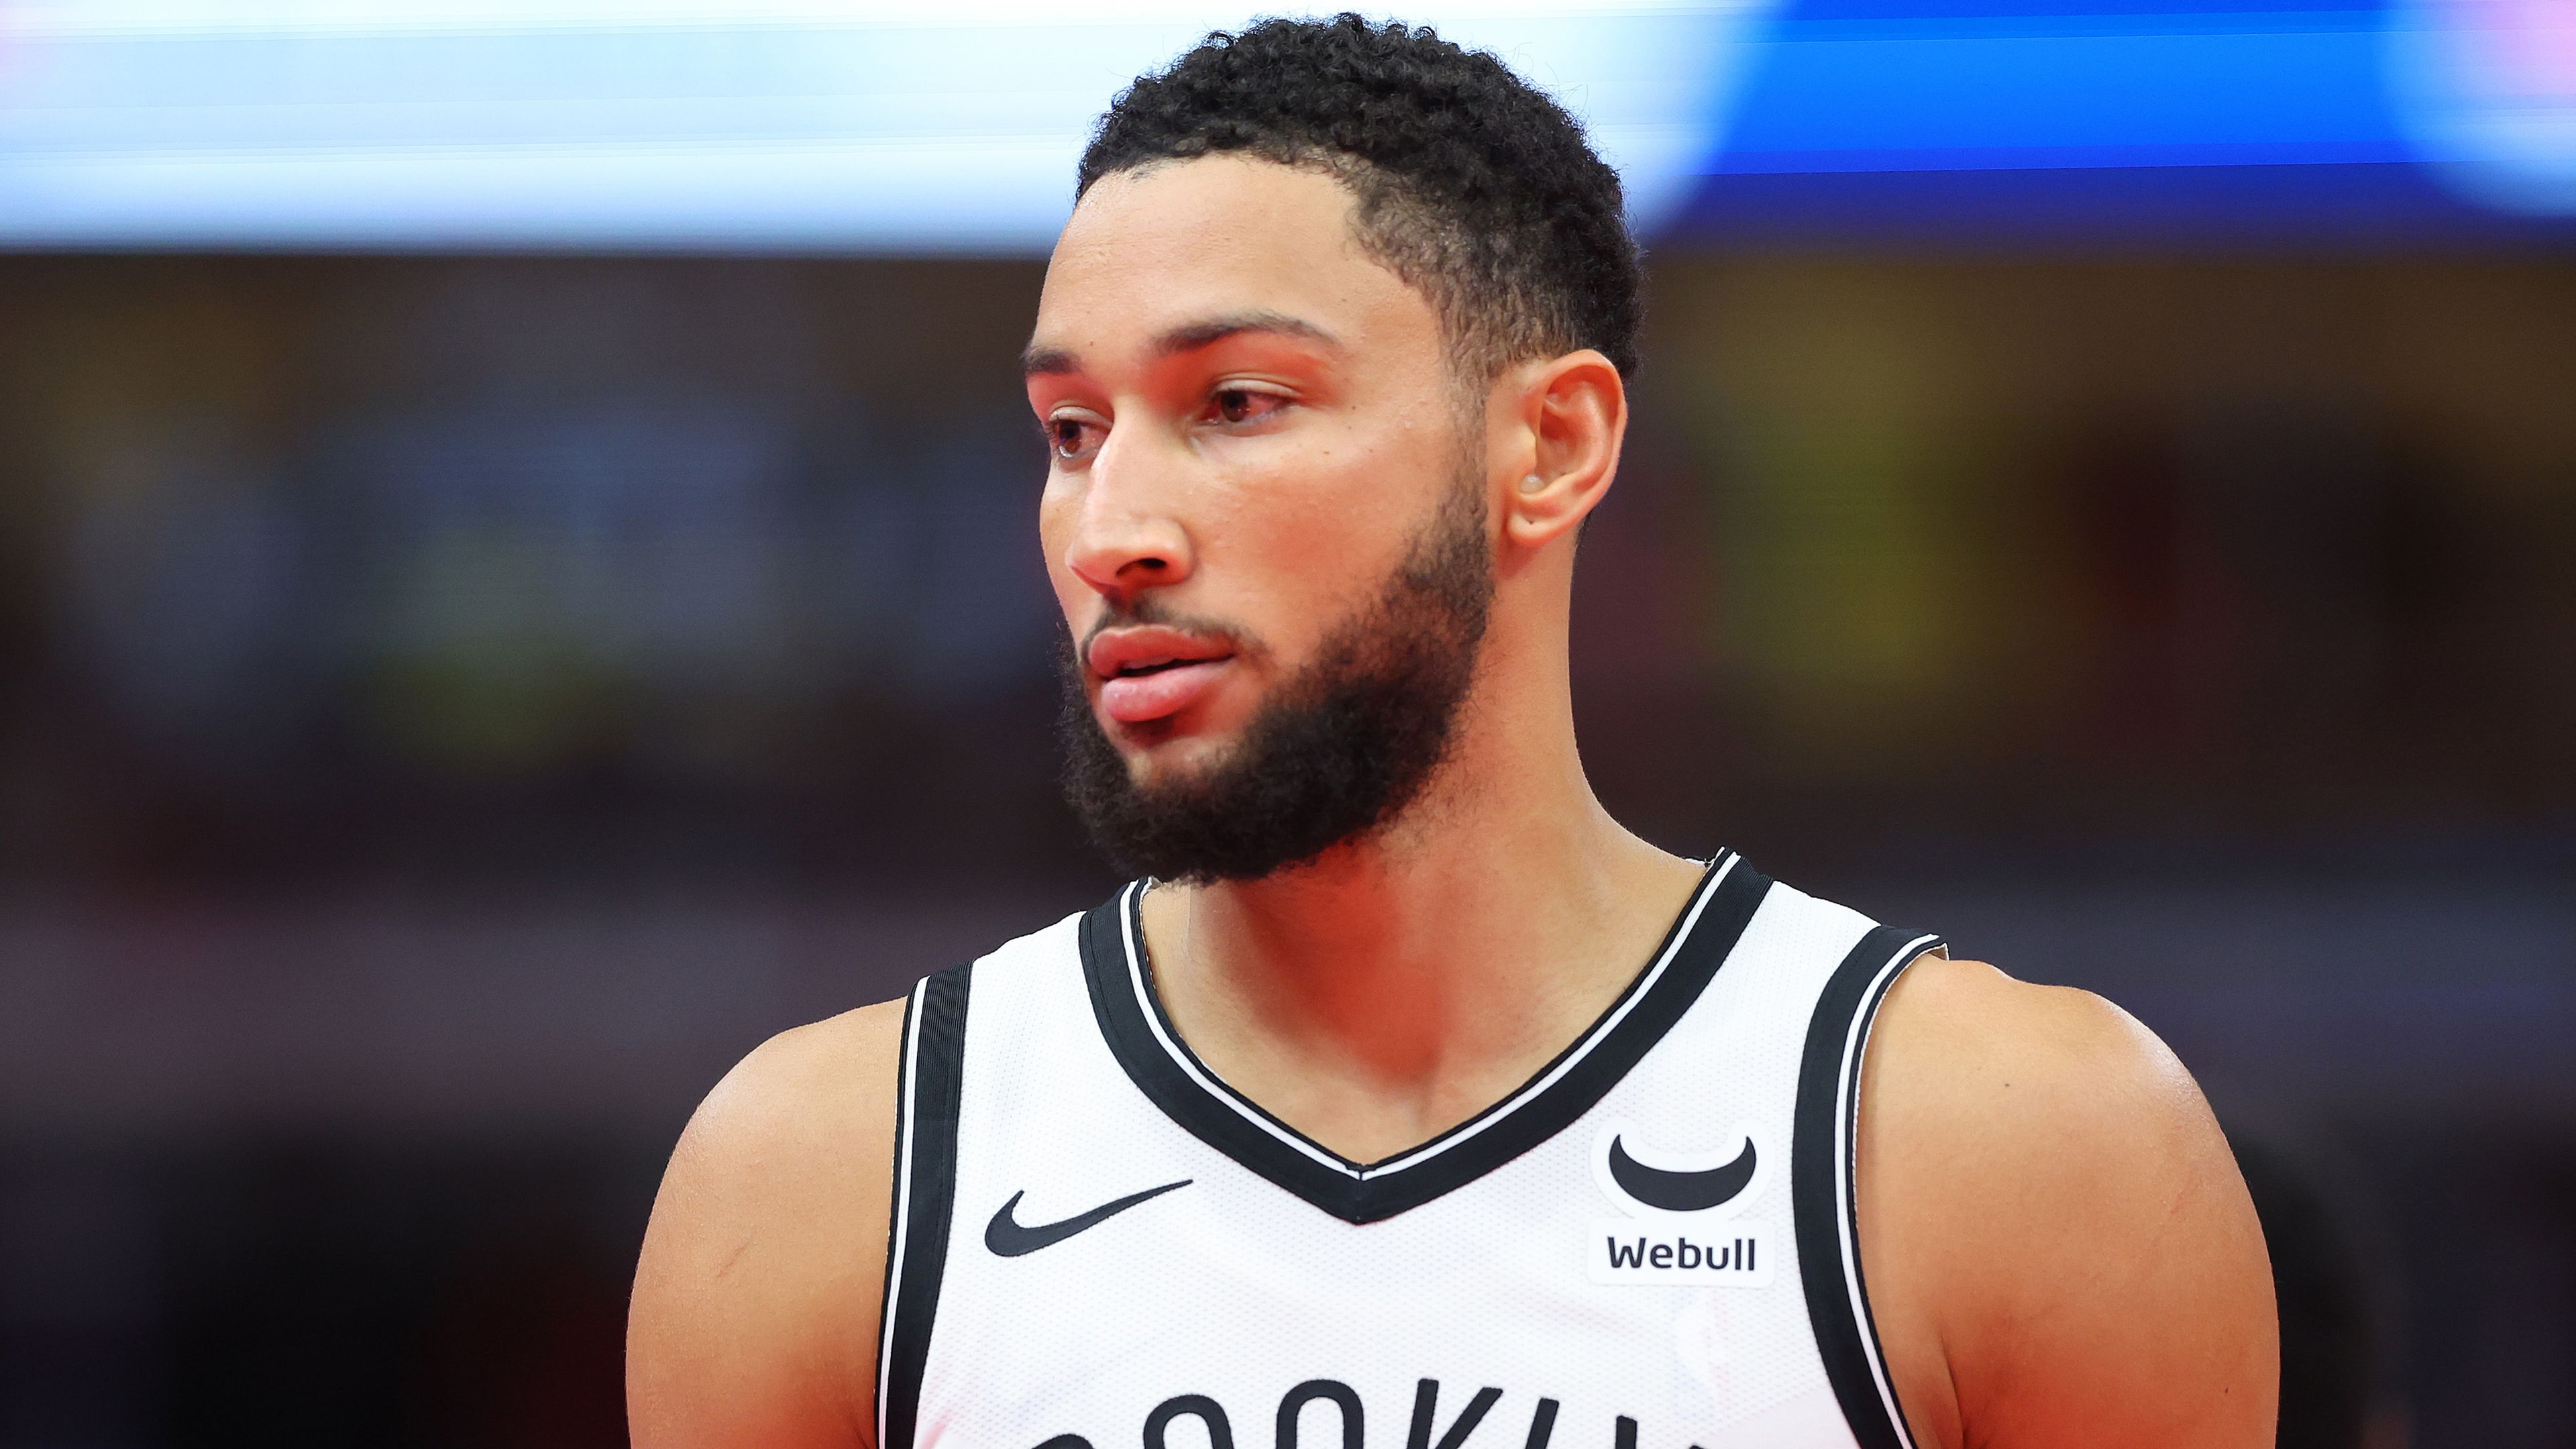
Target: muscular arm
(2058,1247)
(754,1320)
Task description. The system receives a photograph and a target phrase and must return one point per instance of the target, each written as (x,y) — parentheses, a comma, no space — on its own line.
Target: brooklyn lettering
(1342,1428)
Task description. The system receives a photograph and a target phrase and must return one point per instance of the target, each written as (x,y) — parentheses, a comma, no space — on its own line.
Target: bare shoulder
(2051,1218)
(2007,1062)
(756,1297)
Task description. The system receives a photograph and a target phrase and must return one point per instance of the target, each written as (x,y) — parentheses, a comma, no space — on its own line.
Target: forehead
(1170,245)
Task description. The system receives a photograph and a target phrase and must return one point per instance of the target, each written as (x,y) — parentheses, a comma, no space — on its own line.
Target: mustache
(1149,608)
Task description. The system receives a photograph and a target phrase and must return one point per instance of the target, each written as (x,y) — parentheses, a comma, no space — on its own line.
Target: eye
(1072,438)
(1244,404)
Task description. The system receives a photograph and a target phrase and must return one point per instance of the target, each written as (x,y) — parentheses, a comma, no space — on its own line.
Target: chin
(1160,754)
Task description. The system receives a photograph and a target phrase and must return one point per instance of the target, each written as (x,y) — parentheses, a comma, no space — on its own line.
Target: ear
(1567,418)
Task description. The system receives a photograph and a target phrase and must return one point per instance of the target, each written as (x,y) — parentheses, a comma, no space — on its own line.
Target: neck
(1403,982)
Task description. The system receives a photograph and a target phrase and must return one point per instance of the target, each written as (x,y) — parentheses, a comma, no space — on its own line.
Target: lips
(1153,672)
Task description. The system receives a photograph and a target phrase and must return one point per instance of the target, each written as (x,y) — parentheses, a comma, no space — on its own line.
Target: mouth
(1152,673)
(1141,668)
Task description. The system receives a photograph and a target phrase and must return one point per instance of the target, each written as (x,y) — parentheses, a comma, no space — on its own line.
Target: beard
(1340,748)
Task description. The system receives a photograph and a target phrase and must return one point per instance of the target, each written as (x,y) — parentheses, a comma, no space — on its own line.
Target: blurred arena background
(518,580)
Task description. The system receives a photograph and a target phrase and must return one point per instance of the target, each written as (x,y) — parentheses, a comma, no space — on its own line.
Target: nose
(1126,539)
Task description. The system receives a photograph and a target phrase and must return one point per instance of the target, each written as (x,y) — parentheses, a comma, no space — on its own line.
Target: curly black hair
(1470,184)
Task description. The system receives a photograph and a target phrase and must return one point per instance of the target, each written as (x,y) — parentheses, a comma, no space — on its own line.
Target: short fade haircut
(1470,184)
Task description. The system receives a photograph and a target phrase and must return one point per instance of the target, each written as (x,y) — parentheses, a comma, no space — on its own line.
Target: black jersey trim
(1823,1152)
(899,1179)
(1162,1066)
(925,1194)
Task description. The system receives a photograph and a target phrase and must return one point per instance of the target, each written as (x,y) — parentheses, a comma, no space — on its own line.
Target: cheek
(1058,505)
(1313,538)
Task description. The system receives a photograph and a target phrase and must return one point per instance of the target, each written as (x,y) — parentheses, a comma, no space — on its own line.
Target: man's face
(1260,503)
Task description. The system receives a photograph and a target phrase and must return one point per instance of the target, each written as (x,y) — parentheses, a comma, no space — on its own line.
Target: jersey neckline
(1163,1067)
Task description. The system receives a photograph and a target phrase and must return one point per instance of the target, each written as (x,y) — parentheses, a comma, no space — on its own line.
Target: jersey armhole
(1823,1153)
(930,1084)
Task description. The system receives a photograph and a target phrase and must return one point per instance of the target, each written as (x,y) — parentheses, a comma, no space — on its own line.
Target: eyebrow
(1188,337)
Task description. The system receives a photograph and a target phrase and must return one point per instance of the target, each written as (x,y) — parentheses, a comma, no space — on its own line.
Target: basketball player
(1407,1099)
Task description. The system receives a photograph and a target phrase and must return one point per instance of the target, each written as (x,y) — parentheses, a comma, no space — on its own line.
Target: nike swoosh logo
(1008,1239)
(1679,1192)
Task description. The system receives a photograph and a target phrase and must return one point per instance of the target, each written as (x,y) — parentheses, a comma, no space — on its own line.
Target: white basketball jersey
(1098,1244)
